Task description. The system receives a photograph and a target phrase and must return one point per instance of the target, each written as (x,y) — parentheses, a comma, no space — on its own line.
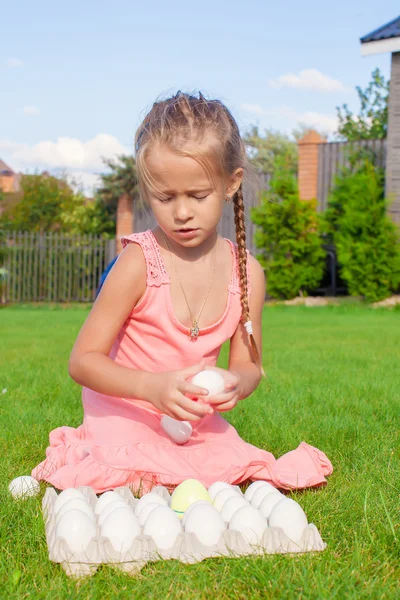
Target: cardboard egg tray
(187,547)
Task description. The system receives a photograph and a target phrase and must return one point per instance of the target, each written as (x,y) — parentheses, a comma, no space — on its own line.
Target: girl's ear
(234,182)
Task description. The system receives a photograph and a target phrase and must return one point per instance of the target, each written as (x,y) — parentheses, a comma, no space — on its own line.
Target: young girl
(174,296)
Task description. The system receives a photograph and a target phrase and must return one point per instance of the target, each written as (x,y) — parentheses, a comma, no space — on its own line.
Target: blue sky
(77,77)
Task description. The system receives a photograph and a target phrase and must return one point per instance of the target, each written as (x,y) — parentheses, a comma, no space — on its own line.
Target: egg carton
(187,547)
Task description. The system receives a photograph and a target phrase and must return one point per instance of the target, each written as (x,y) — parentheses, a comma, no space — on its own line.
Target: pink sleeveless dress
(121,442)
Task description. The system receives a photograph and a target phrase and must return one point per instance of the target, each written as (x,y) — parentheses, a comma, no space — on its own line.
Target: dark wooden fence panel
(52,267)
(333,156)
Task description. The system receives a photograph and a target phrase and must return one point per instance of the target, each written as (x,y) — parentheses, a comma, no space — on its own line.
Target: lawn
(333,381)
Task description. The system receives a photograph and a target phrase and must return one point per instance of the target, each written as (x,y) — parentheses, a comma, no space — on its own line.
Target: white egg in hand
(105,499)
(269,502)
(216,487)
(250,523)
(164,526)
(262,493)
(206,523)
(231,506)
(251,490)
(150,498)
(289,515)
(66,495)
(210,380)
(109,508)
(77,529)
(121,527)
(24,486)
(223,496)
(79,504)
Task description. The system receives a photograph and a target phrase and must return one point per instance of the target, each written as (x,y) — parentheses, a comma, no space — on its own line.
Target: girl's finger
(190,388)
(220,398)
(193,370)
(196,408)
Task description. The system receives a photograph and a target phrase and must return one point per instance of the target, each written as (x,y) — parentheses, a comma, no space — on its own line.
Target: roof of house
(5,168)
(390,30)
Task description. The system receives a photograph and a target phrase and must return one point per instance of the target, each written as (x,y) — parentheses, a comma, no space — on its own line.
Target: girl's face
(187,206)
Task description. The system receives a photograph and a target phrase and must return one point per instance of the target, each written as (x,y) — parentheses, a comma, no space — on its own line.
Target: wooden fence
(52,267)
(143,218)
(333,156)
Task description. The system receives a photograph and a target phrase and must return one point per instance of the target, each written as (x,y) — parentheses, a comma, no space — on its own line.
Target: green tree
(122,179)
(372,120)
(365,237)
(288,235)
(265,150)
(48,203)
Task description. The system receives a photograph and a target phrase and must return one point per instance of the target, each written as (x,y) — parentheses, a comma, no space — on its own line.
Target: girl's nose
(183,211)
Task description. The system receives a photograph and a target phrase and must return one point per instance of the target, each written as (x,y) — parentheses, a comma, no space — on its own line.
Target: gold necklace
(194,330)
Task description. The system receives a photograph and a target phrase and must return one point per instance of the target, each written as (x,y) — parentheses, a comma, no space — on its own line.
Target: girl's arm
(243,375)
(91,366)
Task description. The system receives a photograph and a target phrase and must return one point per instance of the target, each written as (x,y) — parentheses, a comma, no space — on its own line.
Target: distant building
(9,180)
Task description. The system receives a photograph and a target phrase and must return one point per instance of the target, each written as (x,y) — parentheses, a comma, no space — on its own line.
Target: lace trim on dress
(156,272)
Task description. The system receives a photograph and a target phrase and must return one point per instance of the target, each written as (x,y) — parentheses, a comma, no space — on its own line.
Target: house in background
(9,180)
(387,39)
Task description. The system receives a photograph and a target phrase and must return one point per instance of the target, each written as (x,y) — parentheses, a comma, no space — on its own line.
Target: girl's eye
(164,199)
(201,198)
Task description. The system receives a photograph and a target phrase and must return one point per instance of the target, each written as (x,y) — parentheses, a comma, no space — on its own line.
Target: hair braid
(238,205)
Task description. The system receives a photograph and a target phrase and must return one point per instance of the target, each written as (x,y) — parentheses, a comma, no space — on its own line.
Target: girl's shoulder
(156,273)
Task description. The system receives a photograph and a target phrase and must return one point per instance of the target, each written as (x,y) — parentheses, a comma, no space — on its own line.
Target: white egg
(231,506)
(206,523)
(146,510)
(291,517)
(66,495)
(210,380)
(223,496)
(261,493)
(250,523)
(269,502)
(77,529)
(216,487)
(24,486)
(79,504)
(121,527)
(190,508)
(150,498)
(249,493)
(178,431)
(164,526)
(108,509)
(105,499)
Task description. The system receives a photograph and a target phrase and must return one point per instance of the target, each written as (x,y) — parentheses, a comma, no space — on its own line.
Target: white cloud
(14,63)
(326,123)
(65,153)
(308,79)
(85,181)
(31,110)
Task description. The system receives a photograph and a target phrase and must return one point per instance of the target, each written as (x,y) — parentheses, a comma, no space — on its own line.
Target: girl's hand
(227,399)
(166,391)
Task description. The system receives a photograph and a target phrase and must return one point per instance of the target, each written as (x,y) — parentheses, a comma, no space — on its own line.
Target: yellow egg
(188,492)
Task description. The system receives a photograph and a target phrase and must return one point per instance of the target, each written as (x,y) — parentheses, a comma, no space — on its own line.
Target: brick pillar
(393,141)
(124,218)
(308,165)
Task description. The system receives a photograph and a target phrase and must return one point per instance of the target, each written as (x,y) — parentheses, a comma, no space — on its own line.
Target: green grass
(333,381)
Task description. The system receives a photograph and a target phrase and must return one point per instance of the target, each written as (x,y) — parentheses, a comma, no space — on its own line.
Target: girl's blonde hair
(206,131)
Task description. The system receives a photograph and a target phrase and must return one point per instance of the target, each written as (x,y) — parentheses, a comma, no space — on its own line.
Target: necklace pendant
(194,331)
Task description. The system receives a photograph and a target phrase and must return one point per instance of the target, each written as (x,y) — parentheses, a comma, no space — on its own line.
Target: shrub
(288,236)
(365,237)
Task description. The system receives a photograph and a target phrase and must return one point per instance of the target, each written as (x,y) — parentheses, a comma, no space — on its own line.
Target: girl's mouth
(187,232)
